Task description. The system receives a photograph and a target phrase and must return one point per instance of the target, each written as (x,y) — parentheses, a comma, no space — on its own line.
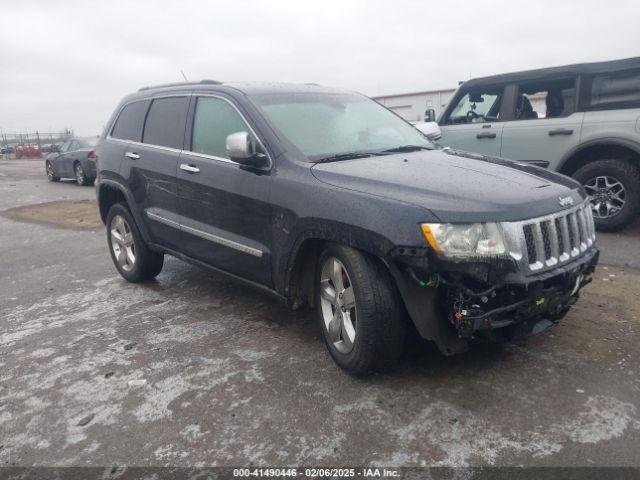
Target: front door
(226,216)
(545,125)
(59,162)
(473,124)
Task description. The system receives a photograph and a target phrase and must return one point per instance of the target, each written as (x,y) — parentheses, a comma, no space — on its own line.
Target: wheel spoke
(128,239)
(115,234)
(327,292)
(335,326)
(131,258)
(348,299)
(336,276)
(122,257)
(348,333)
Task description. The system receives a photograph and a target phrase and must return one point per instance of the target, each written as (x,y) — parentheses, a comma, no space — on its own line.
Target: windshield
(325,125)
(89,142)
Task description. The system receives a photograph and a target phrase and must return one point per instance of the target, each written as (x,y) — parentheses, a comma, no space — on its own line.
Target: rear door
(544,125)
(226,216)
(473,123)
(150,165)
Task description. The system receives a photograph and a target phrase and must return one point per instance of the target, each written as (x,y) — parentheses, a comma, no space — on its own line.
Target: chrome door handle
(189,168)
(132,155)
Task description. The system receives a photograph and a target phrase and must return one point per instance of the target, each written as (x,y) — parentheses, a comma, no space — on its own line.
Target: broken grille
(556,239)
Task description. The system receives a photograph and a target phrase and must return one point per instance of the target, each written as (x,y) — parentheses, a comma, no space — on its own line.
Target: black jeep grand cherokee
(326,198)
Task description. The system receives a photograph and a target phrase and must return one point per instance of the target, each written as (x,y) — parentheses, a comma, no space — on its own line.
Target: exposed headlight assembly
(465,240)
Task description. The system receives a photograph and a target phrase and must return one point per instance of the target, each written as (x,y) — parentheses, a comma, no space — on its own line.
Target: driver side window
(477,107)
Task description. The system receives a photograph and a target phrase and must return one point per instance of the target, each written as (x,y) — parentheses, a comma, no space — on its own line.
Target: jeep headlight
(465,240)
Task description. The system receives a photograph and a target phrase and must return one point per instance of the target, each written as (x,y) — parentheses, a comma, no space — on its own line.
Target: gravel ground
(195,370)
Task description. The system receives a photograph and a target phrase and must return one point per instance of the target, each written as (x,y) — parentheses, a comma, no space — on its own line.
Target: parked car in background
(581,120)
(7,150)
(76,159)
(28,151)
(50,147)
(325,198)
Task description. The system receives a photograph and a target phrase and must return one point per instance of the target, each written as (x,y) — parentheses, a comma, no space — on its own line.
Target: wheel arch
(605,148)
(110,192)
(298,270)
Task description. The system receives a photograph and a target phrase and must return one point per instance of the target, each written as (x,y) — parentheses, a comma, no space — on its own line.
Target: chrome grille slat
(565,240)
(542,243)
(575,245)
(553,240)
(539,243)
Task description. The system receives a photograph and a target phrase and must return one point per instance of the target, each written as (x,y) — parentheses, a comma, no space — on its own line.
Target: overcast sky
(67,63)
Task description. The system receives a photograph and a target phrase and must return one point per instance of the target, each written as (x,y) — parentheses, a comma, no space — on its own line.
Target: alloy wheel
(49,171)
(607,196)
(122,243)
(338,304)
(79,174)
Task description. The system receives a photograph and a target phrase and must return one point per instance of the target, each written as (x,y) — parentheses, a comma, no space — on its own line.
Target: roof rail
(179,84)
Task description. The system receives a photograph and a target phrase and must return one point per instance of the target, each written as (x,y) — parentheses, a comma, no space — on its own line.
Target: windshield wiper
(407,148)
(346,156)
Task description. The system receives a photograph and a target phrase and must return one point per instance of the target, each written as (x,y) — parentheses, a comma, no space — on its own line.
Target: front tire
(359,310)
(131,256)
(51,176)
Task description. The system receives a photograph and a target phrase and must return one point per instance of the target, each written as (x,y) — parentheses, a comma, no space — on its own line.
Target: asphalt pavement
(193,369)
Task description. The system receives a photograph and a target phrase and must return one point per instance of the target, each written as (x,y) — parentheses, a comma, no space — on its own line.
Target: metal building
(412,106)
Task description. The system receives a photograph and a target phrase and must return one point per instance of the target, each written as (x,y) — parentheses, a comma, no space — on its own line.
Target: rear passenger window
(618,89)
(214,120)
(128,126)
(546,99)
(166,121)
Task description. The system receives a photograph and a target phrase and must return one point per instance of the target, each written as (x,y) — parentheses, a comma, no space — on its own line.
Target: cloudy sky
(67,63)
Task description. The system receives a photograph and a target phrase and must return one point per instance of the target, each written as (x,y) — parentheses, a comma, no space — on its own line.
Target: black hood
(456,186)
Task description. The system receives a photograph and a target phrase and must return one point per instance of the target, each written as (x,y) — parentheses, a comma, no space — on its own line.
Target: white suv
(581,120)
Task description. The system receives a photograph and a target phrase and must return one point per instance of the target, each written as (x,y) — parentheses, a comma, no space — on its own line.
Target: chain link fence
(31,144)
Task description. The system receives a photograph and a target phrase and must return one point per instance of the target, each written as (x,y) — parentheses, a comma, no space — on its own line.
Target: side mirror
(430,115)
(431,130)
(241,150)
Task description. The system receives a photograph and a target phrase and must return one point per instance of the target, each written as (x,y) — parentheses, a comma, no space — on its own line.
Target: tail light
(93,155)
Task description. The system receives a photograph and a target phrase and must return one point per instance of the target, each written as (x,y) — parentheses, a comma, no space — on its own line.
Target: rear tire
(130,254)
(360,312)
(50,174)
(614,188)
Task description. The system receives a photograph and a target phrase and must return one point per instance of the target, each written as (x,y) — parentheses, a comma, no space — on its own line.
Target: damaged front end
(525,290)
(512,310)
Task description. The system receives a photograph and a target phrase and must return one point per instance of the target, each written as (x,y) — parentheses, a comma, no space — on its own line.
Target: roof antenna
(184,76)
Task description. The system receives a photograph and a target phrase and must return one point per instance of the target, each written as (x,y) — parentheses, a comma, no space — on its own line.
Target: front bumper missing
(454,306)
(533,306)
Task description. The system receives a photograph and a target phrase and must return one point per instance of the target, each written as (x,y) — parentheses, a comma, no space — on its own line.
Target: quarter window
(621,90)
(166,121)
(128,126)
(214,120)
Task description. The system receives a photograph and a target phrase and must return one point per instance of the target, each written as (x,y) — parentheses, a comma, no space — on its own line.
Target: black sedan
(76,159)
